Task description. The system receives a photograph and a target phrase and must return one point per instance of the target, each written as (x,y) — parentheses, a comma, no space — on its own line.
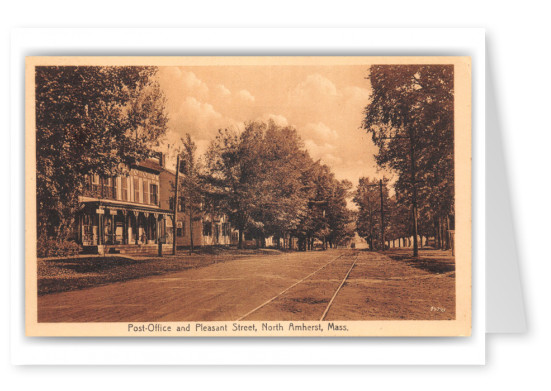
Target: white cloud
(193,83)
(319,131)
(178,82)
(222,91)
(331,160)
(314,87)
(200,110)
(246,96)
(279,120)
(322,151)
(202,146)
(200,119)
(357,94)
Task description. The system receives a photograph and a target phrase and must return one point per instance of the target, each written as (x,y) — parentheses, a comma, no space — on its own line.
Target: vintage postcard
(248,196)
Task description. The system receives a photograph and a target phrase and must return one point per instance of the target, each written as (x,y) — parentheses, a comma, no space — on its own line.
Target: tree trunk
(447,232)
(176,191)
(439,233)
(190,231)
(414,188)
(444,247)
(240,243)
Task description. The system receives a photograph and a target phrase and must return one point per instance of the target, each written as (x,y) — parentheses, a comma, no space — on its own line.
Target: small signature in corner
(437,309)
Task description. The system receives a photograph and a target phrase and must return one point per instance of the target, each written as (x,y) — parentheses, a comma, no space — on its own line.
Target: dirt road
(335,285)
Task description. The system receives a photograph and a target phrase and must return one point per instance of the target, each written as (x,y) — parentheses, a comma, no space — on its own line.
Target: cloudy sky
(324,104)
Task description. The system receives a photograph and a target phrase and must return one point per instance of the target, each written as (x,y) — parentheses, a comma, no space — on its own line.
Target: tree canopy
(411,119)
(89,120)
(268,185)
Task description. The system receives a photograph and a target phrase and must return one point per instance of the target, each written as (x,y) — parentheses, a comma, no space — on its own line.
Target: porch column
(124,228)
(146,226)
(100,213)
(136,229)
(156,230)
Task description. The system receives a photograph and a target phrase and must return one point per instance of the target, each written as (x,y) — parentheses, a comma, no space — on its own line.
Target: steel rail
(286,289)
(338,289)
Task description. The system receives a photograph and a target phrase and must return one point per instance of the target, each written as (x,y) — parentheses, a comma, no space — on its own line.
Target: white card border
(235,351)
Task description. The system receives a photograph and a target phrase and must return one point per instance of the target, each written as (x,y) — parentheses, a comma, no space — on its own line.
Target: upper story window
(93,186)
(96,186)
(110,188)
(153,194)
(136,189)
(124,189)
(139,187)
(145,192)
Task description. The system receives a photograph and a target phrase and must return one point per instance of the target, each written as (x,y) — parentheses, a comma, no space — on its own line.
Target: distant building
(208,228)
(124,214)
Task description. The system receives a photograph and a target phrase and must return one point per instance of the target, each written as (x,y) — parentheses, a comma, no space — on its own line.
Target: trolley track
(306,279)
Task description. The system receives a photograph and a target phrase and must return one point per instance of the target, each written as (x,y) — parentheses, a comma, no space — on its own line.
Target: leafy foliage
(192,183)
(89,120)
(410,118)
(268,185)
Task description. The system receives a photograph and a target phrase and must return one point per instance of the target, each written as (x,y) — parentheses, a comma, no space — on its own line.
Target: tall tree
(282,197)
(89,120)
(370,222)
(233,164)
(268,185)
(192,186)
(410,117)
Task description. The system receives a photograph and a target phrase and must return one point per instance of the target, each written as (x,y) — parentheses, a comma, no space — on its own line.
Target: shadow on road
(430,260)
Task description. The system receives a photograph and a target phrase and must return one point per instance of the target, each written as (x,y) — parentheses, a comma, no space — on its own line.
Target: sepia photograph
(248,196)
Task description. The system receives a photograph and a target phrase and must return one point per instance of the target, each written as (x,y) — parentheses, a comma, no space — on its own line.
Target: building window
(87,230)
(207,228)
(136,189)
(226,229)
(109,188)
(124,188)
(153,193)
(145,192)
(96,188)
(114,190)
(88,184)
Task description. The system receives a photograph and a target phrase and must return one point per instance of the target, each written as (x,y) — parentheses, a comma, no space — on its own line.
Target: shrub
(52,248)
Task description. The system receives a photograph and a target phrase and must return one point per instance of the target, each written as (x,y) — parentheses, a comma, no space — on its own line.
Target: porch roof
(127,207)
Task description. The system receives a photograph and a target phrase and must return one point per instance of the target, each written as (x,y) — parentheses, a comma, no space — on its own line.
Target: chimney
(162,159)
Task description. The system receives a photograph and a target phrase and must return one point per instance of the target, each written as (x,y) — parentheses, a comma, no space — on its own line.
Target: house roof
(151,165)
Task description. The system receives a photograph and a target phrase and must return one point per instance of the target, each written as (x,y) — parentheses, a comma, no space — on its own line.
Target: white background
(518,56)
(340,351)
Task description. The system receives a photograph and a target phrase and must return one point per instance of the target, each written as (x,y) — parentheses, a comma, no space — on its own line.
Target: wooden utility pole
(382,215)
(414,188)
(190,228)
(176,191)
